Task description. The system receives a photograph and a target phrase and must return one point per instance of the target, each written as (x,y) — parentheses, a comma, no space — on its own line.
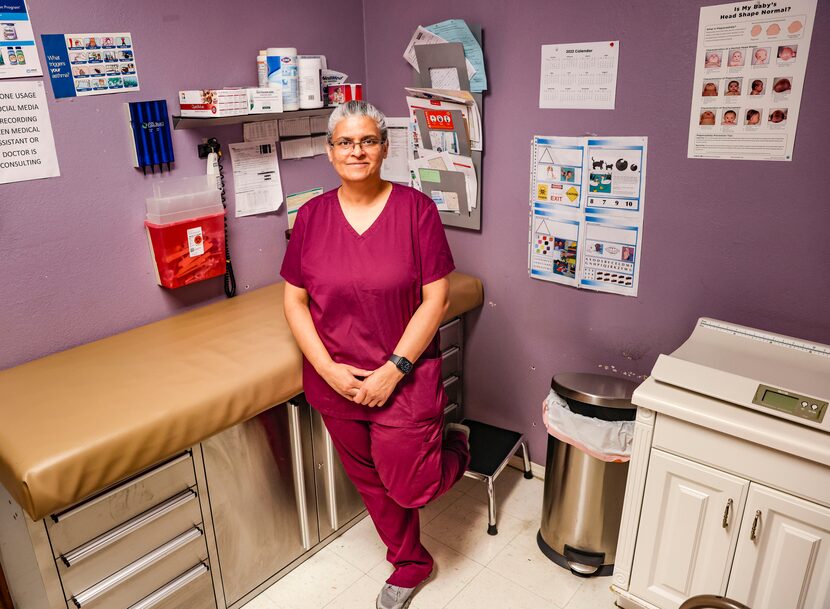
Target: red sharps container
(186,231)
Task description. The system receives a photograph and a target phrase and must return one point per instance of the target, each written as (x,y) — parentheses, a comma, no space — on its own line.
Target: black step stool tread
(490,446)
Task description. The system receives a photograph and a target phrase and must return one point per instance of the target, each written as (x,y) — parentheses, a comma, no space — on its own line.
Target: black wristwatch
(403,364)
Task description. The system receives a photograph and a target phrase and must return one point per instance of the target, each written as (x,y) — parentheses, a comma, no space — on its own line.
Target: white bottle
(310,69)
(262,69)
(282,69)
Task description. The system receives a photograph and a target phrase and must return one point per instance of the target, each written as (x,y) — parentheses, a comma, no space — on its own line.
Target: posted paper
(580,76)
(749,74)
(256,178)
(395,167)
(27,148)
(586,212)
(18,53)
(294,202)
(90,64)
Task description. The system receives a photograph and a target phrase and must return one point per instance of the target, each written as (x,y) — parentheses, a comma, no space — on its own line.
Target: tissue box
(265,100)
(208,103)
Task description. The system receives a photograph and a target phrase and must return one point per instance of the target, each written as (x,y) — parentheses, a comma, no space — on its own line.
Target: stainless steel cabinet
(337,498)
(276,489)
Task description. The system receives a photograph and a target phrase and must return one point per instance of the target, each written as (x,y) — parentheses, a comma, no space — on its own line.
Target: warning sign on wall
(27,148)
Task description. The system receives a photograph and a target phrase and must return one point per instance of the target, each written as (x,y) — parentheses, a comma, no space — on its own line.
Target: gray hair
(356,108)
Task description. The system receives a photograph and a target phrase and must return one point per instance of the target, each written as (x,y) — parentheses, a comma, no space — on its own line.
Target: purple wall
(743,241)
(75,263)
(737,240)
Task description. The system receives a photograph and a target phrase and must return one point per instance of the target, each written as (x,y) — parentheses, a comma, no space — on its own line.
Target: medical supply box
(186,231)
(208,103)
(264,100)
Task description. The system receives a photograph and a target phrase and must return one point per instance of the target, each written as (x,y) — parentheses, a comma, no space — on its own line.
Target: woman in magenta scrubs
(366,289)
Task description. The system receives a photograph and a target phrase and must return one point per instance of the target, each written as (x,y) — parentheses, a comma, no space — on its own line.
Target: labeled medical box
(209,103)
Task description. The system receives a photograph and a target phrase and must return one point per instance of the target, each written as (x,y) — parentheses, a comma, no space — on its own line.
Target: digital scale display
(779,400)
(786,401)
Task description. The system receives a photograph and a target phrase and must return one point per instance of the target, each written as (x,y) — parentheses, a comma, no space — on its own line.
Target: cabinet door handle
(756,520)
(299,474)
(726,511)
(331,489)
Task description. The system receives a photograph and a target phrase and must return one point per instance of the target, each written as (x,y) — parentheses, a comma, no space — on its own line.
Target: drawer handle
(119,532)
(756,520)
(168,590)
(109,493)
(119,577)
(450,352)
(449,381)
(726,510)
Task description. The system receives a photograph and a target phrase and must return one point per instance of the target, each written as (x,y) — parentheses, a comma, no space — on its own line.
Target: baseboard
(518,462)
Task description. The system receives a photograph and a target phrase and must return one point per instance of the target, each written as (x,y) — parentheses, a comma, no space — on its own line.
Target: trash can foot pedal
(573,560)
(490,450)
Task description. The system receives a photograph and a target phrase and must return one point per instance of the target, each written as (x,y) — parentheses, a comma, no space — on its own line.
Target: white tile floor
(473,570)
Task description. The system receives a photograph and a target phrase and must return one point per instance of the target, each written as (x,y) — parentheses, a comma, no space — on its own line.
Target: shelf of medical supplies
(187,122)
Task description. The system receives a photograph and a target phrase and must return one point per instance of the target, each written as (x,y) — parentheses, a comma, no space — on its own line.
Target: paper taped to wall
(586,212)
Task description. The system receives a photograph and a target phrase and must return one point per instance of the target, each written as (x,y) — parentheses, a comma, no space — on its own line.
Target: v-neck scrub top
(363,290)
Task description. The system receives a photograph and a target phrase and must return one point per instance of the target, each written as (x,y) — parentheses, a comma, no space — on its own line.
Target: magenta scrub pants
(398,470)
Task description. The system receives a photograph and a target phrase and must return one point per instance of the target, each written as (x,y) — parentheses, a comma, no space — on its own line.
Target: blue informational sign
(18,53)
(90,64)
(57,62)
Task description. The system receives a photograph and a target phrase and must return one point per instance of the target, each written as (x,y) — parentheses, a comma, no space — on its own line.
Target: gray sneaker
(394,597)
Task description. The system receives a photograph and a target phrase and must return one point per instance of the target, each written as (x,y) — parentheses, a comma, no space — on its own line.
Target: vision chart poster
(586,212)
(749,74)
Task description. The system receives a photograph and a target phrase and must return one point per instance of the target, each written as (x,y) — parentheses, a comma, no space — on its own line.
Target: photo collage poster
(749,75)
(586,212)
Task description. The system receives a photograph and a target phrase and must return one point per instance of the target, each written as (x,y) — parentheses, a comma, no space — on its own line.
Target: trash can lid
(596,389)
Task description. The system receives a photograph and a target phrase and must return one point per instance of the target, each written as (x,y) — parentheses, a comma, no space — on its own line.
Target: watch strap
(403,364)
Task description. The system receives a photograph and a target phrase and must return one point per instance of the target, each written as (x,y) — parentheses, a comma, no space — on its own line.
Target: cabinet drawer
(141,578)
(191,590)
(450,334)
(87,520)
(452,385)
(450,362)
(117,548)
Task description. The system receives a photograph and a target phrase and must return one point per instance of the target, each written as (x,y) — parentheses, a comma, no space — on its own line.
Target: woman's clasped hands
(368,387)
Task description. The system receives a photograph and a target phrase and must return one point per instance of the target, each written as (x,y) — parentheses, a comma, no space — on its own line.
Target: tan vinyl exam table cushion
(77,421)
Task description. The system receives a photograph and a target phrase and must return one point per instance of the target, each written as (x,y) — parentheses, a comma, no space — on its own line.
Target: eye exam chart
(749,74)
(586,211)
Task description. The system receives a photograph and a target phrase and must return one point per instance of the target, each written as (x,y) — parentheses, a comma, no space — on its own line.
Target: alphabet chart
(586,212)
(579,76)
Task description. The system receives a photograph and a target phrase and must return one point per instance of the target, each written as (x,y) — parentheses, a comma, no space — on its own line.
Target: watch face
(405,365)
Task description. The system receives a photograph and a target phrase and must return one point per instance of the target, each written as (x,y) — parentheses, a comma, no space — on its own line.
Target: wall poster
(586,211)
(749,74)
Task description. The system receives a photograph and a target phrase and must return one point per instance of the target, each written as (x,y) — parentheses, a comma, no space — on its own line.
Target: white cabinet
(688,529)
(704,531)
(783,554)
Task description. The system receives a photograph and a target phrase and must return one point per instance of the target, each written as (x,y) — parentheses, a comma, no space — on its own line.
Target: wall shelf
(187,122)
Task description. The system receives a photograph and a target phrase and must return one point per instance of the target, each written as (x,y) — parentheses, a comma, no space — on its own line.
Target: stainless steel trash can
(583,496)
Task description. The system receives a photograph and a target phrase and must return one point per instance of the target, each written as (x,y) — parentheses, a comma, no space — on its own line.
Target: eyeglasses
(368,144)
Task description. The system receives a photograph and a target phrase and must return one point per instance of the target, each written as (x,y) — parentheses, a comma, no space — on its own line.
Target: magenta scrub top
(363,290)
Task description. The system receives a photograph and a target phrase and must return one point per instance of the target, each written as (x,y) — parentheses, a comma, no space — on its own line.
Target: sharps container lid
(595,389)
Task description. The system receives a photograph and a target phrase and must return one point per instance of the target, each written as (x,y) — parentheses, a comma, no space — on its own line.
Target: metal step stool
(490,450)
